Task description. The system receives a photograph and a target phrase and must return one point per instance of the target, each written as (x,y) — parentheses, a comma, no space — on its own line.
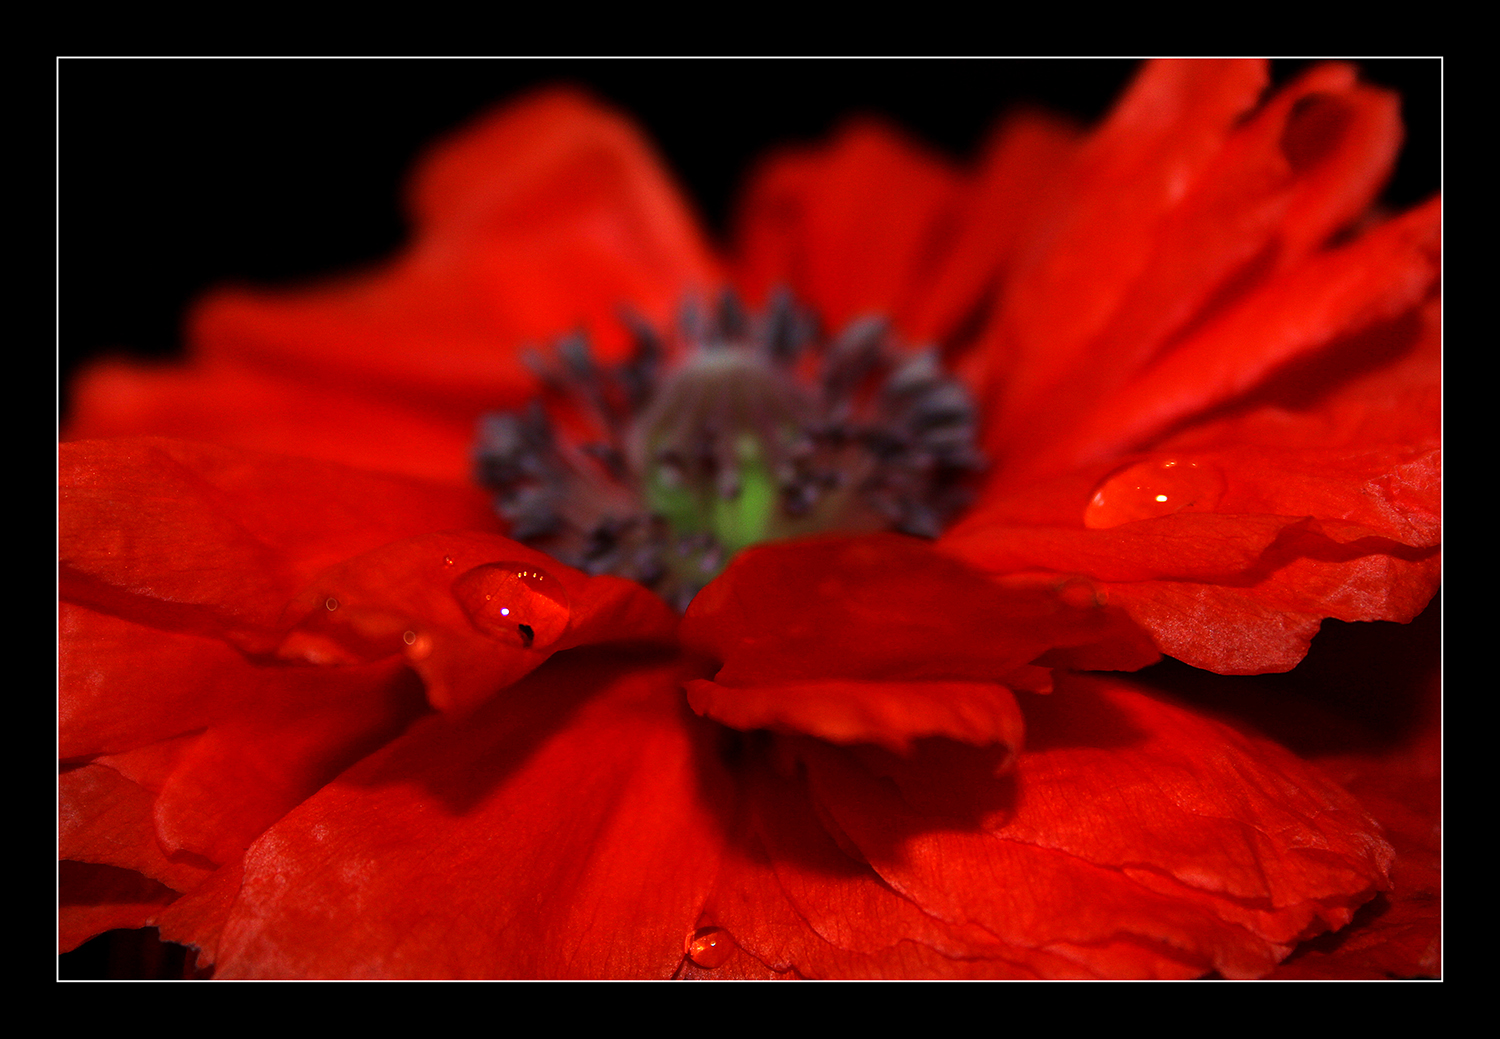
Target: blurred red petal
(236,406)
(820,220)
(1275,188)
(548,216)
(1016,181)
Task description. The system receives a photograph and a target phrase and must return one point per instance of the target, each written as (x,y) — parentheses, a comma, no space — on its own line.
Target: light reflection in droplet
(331,603)
(418,645)
(1153,488)
(515,602)
(710,947)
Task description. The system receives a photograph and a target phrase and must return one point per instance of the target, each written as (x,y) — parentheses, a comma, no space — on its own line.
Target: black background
(174,175)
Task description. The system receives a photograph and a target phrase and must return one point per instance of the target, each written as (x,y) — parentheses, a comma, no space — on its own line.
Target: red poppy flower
(297,735)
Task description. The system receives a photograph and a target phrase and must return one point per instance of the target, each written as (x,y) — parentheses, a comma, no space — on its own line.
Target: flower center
(760,431)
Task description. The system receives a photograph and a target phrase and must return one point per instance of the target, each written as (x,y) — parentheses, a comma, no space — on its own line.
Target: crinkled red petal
(106,819)
(1133,840)
(1365,709)
(568,831)
(1331,507)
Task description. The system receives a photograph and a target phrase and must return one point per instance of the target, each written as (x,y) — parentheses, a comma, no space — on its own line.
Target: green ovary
(735,523)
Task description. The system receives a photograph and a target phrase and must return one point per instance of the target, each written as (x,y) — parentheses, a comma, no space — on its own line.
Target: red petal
(197,539)
(548,216)
(105,819)
(1156,147)
(563,833)
(1330,507)
(1365,707)
(94,899)
(889,714)
(1014,186)
(1136,841)
(1176,210)
(882,607)
(234,405)
(1369,283)
(407,598)
(823,222)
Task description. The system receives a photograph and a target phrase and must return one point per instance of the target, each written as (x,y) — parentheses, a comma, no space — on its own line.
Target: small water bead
(710,947)
(331,604)
(418,645)
(1154,488)
(514,602)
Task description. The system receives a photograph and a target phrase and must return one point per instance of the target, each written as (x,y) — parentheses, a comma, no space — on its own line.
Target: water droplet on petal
(515,602)
(418,645)
(1146,490)
(1081,593)
(331,603)
(447,560)
(710,947)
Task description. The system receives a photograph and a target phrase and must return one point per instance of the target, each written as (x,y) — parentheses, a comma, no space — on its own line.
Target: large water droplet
(515,602)
(1146,490)
(710,947)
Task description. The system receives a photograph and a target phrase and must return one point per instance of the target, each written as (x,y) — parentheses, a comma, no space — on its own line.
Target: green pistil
(736,522)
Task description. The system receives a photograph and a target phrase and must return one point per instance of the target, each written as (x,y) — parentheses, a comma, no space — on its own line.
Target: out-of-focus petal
(548,216)
(558,834)
(235,405)
(822,221)
(1014,186)
(1156,146)
(1133,840)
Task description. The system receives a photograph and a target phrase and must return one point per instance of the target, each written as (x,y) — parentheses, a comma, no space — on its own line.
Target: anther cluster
(741,428)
